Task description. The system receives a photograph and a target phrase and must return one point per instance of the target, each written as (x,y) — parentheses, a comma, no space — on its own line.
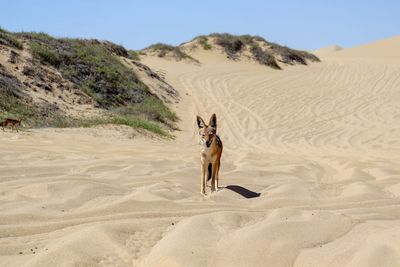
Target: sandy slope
(387,49)
(326,51)
(311,166)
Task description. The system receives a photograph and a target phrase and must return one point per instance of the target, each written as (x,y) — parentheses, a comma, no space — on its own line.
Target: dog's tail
(209,171)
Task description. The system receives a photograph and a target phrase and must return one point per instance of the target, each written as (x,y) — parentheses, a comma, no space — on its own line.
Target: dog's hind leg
(209,171)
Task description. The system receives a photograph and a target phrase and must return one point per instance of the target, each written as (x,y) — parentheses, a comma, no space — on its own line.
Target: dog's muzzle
(208,143)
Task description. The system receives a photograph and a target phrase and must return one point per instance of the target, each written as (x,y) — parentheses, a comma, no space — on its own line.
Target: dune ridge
(381,50)
(327,50)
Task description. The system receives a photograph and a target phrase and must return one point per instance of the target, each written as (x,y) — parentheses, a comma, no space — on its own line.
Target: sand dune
(387,50)
(310,171)
(327,50)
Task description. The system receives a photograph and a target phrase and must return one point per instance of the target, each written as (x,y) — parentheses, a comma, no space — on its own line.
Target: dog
(14,123)
(210,153)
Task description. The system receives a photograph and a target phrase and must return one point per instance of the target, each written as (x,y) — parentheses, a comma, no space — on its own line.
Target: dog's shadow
(244,192)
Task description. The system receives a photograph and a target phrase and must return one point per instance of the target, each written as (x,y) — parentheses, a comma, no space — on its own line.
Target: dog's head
(207,132)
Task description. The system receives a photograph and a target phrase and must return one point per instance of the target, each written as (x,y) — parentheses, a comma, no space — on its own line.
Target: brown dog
(14,123)
(210,154)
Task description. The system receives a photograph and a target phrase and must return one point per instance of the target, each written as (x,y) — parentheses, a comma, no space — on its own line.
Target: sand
(310,174)
(326,51)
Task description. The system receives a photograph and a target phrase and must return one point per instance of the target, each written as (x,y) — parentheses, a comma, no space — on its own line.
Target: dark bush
(263,57)
(230,43)
(289,56)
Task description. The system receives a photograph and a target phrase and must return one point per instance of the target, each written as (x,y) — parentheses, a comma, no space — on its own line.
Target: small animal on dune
(210,153)
(14,123)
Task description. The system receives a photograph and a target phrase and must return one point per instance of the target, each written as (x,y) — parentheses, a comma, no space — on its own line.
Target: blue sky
(307,24)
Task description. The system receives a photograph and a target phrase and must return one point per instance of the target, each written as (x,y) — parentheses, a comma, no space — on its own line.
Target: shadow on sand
(244,192)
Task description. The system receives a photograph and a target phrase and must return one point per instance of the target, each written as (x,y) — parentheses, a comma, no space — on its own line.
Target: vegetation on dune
(289,55)
(263,57)
(94,67)
(35,35)
(134,55)
(127,120)
(153,109)
(102,75)
(12,103)
(262,51)
(7,38)
(233,45)
(13,107)
(309,56)
(117,119)
(166,49)
(203,41)
(45,54)
(16,108)
(230,43)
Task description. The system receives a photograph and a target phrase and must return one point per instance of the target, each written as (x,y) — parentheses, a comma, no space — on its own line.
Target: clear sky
(306,24)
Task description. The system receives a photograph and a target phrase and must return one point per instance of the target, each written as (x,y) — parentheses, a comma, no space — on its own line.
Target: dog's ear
(200,122)
(213,121)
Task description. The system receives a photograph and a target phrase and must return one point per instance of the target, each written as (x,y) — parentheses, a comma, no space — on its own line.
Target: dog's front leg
(217,165)
(203,179)
(213,176)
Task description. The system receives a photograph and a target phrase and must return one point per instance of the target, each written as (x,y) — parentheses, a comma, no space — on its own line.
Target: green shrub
(10,106)
(134,55)
(38,36)
(12,103)
(164,49)
(100,73)
(203,41)
(7,38)
(139,123)
(45,54)
(161,46)
(151,108)
(131,121)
